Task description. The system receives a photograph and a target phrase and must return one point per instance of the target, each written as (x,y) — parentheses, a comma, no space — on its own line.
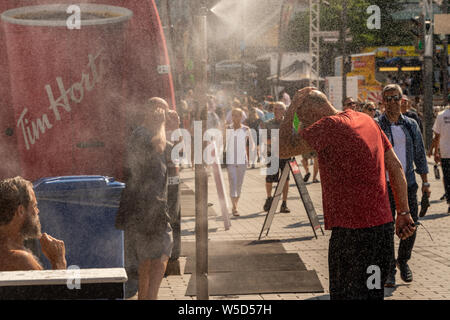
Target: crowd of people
(368,180)
(367,160)
(399,153)
(239,115)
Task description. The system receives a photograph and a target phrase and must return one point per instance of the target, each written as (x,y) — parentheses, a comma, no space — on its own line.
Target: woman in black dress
(143,211)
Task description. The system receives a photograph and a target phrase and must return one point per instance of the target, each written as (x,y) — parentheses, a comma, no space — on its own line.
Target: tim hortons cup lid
(44,15)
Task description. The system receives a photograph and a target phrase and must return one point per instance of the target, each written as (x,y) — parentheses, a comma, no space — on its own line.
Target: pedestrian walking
(407,111)
(406,139)
(237,136)
(353,154)
(279,110)
(369,108)
(350,103)
(441,142)
(174,194)
(255,123)
(143,210)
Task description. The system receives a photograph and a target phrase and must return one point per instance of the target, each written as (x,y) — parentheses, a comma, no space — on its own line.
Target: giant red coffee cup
(66,88)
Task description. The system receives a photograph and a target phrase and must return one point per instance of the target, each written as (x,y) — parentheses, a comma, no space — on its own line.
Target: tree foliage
(392,32)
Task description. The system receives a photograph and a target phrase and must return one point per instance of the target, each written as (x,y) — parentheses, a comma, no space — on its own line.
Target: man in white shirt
(406,139)
(441,142)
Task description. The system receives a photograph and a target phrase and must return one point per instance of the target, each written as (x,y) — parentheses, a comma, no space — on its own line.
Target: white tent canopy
(297,71)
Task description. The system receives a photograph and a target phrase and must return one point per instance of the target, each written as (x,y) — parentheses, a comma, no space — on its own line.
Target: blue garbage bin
(81,210)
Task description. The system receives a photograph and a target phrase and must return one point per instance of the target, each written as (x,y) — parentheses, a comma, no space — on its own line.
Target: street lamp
(428,72)
(444,62)
(342,35)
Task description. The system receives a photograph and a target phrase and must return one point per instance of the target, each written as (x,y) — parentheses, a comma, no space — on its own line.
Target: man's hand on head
(292,144)
(297,101)
(300,95)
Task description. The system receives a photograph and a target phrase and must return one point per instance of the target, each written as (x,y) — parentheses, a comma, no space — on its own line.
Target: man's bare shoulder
(18,260)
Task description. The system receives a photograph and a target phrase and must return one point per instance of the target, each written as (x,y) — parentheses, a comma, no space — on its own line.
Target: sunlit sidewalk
(430,260)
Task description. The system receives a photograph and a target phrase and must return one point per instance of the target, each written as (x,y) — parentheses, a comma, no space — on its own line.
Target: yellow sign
(370,93)
(393,51)
(364,65)
(397,51)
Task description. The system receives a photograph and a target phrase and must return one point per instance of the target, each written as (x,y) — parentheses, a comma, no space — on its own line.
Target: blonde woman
(143,211)
(237,136)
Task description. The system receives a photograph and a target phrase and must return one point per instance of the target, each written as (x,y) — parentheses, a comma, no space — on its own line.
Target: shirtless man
(19,220)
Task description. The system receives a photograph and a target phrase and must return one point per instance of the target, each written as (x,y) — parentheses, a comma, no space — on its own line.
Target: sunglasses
(350,103)
(371,109)
(389,98)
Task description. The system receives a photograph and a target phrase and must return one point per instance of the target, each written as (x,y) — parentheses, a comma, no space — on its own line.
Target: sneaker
(268,204)
(284,208)
(405,271)
(390,281)
(306,177)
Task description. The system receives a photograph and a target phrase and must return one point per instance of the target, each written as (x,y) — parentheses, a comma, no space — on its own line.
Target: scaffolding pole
(314,42)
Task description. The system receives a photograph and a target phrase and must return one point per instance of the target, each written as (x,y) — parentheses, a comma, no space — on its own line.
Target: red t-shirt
(350,148)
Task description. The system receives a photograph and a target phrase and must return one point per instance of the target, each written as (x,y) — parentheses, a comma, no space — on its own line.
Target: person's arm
(436,139)
(54,250)
(436,142)
(397,179)
(425,184)
(432,146)
(420,159)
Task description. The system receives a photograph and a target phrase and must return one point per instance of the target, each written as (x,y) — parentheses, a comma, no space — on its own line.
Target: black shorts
(271,178)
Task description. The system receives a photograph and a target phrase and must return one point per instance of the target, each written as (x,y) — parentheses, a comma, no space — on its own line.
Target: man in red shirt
(353,155)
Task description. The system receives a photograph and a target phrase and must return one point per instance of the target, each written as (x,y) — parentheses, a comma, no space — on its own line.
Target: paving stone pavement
(430,260)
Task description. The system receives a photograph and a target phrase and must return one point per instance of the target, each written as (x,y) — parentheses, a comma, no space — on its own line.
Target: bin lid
(83,190)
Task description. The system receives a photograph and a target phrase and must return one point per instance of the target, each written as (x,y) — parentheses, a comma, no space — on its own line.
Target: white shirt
(399,139)
(237,144)
(442,127)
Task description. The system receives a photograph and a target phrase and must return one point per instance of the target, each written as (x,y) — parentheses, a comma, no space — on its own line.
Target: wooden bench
(63,284)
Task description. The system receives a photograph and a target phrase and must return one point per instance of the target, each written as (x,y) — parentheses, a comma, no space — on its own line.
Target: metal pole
(428,75)
(171,48)
(444,62)
(280,49)
(343,35)
(242,45)
(314,42)
(201,177)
